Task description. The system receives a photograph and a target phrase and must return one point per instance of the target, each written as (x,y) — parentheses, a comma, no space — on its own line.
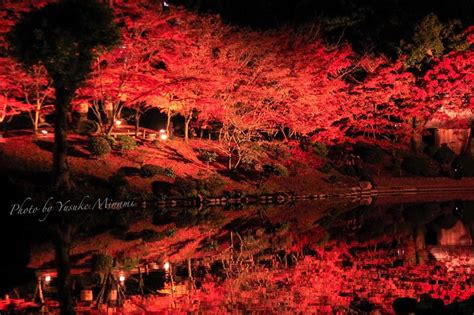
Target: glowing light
(165,4)
(47,279)
(163,134)
(166,266)
(121,278)
(118,122)
(44,132)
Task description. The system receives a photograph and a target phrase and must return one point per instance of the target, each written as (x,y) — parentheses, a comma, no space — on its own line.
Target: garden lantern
(163,135)
(122,278)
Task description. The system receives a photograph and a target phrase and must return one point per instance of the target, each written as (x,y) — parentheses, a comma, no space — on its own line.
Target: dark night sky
(368,23)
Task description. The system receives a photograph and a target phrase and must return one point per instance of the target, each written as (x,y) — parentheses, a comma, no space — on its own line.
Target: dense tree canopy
(63,38)
(286,81)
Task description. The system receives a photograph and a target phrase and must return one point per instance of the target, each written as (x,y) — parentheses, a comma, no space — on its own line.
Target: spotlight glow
(121,278)
(44,132)
(166,266)
(47,279)
(118,122)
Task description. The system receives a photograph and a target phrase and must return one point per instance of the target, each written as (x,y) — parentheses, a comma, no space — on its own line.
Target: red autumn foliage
(257,83)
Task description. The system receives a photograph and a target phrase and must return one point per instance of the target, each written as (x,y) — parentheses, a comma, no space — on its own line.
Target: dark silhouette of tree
(63,37)
(432,39)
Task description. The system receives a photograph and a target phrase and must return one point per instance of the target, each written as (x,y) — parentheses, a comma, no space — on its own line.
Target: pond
(328,257)
(372,256)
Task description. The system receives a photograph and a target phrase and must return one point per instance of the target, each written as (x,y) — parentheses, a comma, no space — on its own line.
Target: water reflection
(323,258)
(331,256)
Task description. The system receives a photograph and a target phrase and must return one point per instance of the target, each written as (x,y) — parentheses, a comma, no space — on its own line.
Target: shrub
(210,185)
(444,155)
(161,189)
(99,146)
(149,170)
(326,168)
(281,170)
(185,187)
(111,140)
(277,150)
(208,156)
(156,144)
(127,171)
(248,164)
(87,127)
(126,143)
(417,165)
(430,150)
(119,186)
(275,169)
(337,152)
(348,170)
(149,235)
(189,187)
(122,220)
(169,172)
(369,154)
(364,174)
(320,149)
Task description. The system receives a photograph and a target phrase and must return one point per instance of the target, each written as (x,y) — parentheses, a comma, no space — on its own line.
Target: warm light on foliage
(253,83)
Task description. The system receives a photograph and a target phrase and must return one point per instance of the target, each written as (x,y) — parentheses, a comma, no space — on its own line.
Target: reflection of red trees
(322,283)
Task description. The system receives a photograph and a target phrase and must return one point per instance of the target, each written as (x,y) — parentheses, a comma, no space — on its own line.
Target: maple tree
(23,90)
(9,105)
(450,81)
(27,90)
(152,67)
(195,66)
(378,102)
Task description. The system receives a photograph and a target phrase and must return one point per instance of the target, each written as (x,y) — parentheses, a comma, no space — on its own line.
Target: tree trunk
(137,122)
(420,245)
(60,164)
(186,128)
(284,134)
(416,138)
(229,162)
(2,118)
(168,122)
(37,116)
(469,144)
(116,113)
(62,245)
